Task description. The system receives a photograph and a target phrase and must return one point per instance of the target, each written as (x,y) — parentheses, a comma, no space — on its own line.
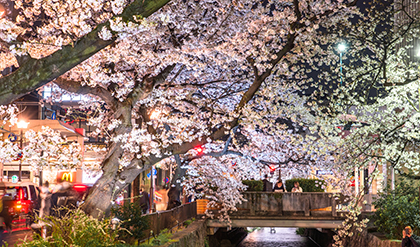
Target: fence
(170,218)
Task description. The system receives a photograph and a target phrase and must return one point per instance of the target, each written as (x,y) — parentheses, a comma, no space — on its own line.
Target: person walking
(267,186)
(63,199)
(144,200)
(409,239)
(173,197)
(296,187)
(4,212)
(45,200)
(279,187)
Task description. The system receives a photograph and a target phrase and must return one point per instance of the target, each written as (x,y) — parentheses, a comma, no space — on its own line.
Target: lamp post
(2,11)
(21,125)
(341,48)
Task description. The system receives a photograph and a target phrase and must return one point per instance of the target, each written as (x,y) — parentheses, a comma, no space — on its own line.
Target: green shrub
(253,185)
(300,231)
(76,228)
(397,209)
(131,219)
(163,238)
(308,185)
(187,223)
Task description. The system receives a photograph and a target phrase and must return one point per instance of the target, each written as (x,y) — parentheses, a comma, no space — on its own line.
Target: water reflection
(282,237)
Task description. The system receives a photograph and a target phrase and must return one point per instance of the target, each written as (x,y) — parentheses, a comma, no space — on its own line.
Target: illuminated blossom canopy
(237,77)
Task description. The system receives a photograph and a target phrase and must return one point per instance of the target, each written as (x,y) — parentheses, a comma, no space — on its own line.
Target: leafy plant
(131,218)
(300,231)
(163,238)
(397,209)
(187,223)
(253,185)
(308,185)
(76,228)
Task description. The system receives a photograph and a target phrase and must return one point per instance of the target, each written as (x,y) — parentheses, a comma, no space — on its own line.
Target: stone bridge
(273,209)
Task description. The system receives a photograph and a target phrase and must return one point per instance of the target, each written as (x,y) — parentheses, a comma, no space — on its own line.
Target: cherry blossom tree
(377,93)
(204,77)
(223,75)
(206,67)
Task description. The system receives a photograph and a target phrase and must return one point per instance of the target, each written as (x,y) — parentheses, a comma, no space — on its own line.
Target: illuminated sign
(154,173)
(14,179)
(67,176)
(12,137)
(324,172)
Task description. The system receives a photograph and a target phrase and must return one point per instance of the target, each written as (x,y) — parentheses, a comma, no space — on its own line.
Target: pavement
(16,236)
(19,233)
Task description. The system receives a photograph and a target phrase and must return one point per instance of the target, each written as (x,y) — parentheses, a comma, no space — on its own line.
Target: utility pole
(21,156)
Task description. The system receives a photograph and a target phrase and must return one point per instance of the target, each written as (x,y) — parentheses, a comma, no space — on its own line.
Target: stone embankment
(362,239)
(366,239)
(195,235)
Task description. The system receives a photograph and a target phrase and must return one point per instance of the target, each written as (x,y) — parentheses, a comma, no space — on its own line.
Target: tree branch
(34,73)
(142,90)
(75,87)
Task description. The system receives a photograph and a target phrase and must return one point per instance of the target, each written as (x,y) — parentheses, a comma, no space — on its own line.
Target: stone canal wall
(195,235)
(366,239)
(363,239)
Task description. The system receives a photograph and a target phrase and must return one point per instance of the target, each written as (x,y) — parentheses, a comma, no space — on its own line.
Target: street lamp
(21,125)
(2,11)
(154,115)
(341,48)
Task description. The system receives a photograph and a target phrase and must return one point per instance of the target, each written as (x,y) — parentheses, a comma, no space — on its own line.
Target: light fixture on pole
(154,115)
(21,125)
(2,11)
(341,48)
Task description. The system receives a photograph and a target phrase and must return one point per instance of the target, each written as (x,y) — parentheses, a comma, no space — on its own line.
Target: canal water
(282,237)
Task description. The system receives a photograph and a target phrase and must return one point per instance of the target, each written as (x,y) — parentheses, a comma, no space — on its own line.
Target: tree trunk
(113,181)
(108,187)
(99,202)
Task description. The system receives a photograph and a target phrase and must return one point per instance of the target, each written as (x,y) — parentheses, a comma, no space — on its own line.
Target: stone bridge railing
(288,204)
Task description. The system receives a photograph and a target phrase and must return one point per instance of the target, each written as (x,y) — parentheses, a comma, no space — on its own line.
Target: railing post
(333,206)
(306,200)
(253,203)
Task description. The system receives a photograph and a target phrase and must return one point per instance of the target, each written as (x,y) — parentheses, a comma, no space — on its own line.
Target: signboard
(154,173)
(323,172)
(12,137)
(66,176)
(15,179)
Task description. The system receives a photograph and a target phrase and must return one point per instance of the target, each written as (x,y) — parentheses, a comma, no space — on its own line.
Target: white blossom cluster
(46,25)
(48,150)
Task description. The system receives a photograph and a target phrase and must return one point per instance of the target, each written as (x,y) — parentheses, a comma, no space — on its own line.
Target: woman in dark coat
(279,187)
